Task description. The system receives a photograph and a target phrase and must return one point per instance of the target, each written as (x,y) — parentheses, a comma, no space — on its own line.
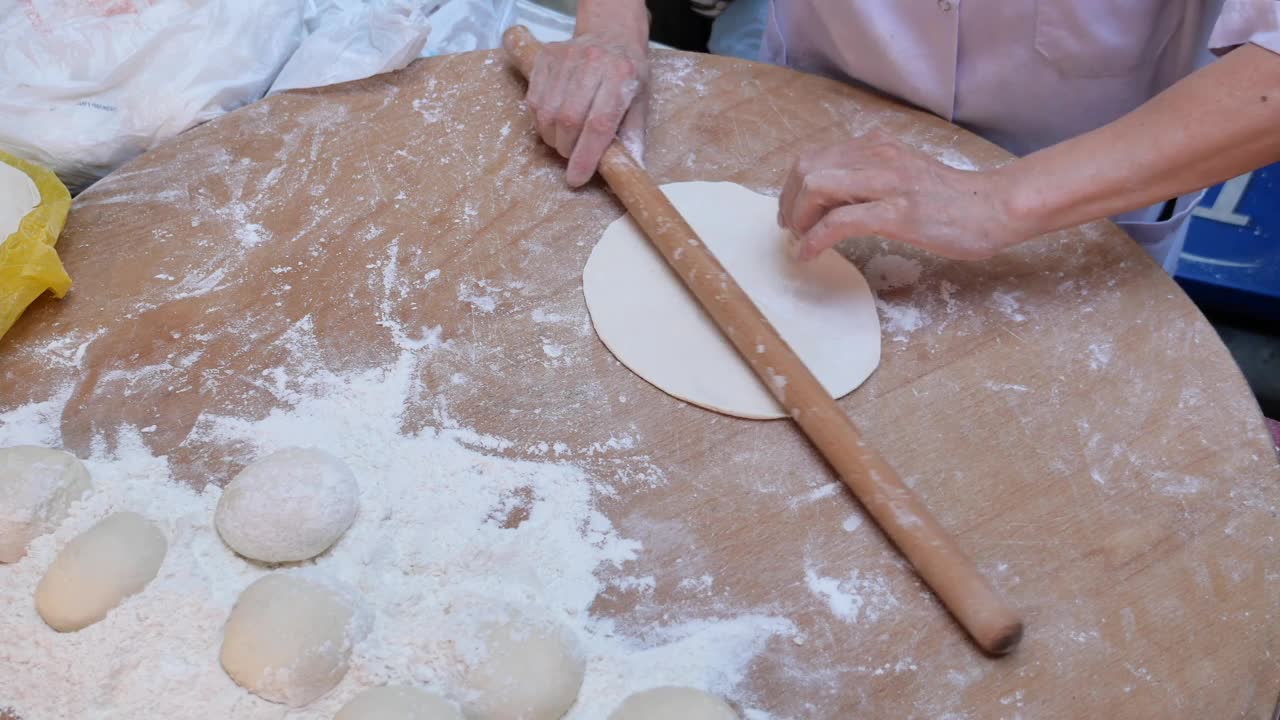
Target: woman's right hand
(587,90)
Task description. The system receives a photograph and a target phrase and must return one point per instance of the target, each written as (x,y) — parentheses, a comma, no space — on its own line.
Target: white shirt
(1024,74)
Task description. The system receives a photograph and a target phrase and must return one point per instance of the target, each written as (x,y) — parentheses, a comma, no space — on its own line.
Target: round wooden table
(1063,408)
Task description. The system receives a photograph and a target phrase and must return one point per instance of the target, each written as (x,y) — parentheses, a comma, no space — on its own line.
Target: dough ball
(37,486)
(290,505)
(524,671)
(398,702)
(668,703)
(288,638)
(98,569)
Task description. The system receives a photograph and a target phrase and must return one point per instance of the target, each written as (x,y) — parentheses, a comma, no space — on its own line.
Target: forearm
(626,19)
(1219,122)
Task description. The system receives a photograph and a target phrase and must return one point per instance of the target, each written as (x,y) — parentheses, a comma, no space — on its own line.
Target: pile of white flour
(444,533)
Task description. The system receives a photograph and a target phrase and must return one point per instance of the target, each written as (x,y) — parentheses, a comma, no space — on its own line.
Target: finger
(807,161)
(872,218)
(635,127)
(824,190)
(580,93)
(539,86)
(874,152)
(600,129)
(790,187)
(561,72)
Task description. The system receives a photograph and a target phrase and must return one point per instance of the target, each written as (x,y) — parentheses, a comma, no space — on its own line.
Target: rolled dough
(648,319)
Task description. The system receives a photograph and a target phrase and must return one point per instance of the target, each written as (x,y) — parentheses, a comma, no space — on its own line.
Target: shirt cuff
(1270,41)
(1247,21)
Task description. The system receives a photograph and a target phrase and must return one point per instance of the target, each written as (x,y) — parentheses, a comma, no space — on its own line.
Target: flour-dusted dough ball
(670,703)
(289,638)
(290,505)
(398,702)
(37,486)
(525,671)
(98,569)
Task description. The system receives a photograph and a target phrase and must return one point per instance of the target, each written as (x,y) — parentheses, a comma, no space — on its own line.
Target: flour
(479,295)
(857,597)
(851,523)
(1099,355)
(446,535)
(1008,305)
(899,320)
(541,315)
(991,385)
(890,272)
(951,157)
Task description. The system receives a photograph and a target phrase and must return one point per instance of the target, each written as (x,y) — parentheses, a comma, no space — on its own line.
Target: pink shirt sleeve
(1247,21)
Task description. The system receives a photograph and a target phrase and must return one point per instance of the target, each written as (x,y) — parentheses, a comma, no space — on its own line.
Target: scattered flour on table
(541,315)
(445,534)
(898,320)
(682,71)
(1099,355)
(857,597)
(1008,305)
(479,295)
(890,272)
(992,385)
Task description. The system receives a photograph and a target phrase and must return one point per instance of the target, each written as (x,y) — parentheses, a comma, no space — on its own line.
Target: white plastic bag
(352,39)
(547,25)
(87,85)
(462,25)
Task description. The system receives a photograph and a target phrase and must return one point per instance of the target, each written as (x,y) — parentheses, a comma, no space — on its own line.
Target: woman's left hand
(876,185)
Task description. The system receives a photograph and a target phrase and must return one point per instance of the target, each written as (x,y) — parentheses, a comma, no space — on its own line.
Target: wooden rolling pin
(994,626)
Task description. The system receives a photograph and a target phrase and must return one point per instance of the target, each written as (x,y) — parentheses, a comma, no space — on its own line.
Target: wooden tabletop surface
(1063,408)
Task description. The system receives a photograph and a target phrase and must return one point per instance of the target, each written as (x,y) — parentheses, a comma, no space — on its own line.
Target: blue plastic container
(1231,262)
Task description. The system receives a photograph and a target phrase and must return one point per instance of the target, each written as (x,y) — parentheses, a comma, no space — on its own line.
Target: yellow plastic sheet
(28,263)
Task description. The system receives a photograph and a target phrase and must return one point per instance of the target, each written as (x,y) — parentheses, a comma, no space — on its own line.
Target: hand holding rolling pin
(593,87)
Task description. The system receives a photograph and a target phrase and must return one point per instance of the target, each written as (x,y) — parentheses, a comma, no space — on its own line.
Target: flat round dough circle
(648,319)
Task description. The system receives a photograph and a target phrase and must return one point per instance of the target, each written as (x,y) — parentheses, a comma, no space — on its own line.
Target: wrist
(625,22)
(1023,202)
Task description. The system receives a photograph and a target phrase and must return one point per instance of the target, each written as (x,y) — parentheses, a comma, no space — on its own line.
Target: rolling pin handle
(522,47)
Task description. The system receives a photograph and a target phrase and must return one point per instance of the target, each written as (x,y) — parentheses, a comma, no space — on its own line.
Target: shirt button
(944,5)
